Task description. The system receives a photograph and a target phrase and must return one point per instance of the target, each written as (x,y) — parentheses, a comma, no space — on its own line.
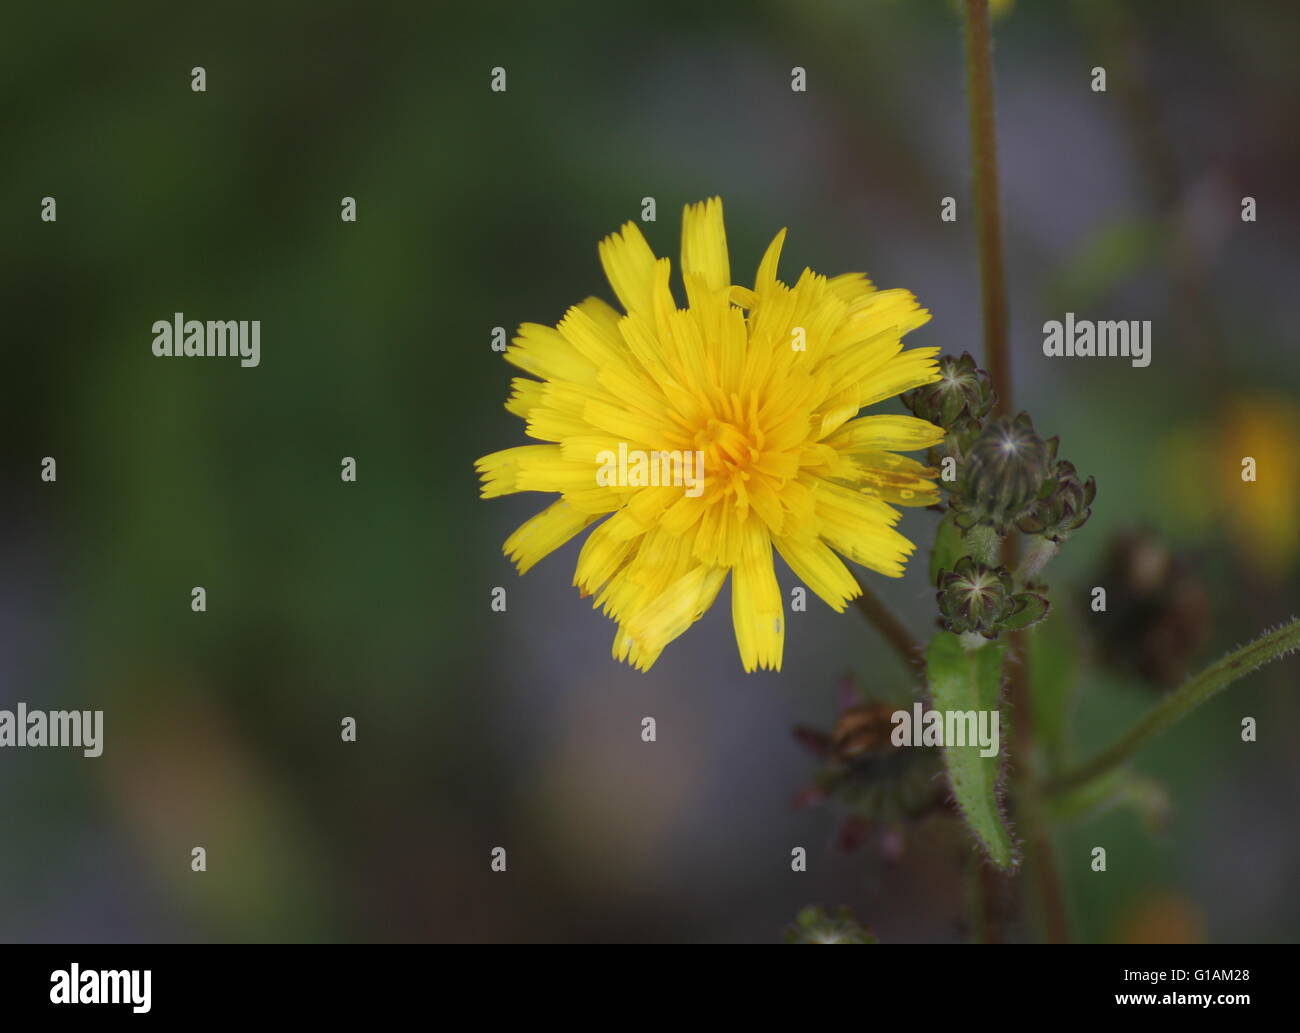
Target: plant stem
(1042,869)
(981,544)
(986,892)
(1039,555)
(1272,645)
(993,289)
(984,166)
(893,630)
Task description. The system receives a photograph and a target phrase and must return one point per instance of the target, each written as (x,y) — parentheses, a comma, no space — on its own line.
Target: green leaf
(947,548)
(1030,609)
(961,680)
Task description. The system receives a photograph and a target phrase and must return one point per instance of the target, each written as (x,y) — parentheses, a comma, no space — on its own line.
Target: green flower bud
(963,394)
(976,598)
(1004,473)
(1064,509)
(973,597)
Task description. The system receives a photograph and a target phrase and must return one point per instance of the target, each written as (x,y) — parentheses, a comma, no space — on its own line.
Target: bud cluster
(1008,476)
(1000,475)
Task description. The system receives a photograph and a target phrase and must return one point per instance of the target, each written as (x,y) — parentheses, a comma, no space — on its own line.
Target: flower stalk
(984,166)
(1272,645)
(1039,554)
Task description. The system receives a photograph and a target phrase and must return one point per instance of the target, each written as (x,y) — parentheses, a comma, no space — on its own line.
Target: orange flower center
(727,448)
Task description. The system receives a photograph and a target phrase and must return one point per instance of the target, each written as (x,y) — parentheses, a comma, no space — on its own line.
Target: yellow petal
(676,608)
(861,527)
(756,611)
(894,478)
(657,562)
(543,352)
(544,533)
(603,554)
(816,565)
(852,287)
(910,369)
(499,471)
(704,244)
(630,651)
(890,433)
(525,394)
(766,278)
(629,266)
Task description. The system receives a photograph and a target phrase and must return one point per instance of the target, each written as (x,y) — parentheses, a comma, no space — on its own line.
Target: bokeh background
(476,209)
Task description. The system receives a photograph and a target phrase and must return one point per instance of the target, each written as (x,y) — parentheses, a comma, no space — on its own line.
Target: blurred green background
(371,600)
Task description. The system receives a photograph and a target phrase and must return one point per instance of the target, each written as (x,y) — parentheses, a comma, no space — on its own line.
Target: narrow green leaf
(947,548)
(972,681)
(1118,788)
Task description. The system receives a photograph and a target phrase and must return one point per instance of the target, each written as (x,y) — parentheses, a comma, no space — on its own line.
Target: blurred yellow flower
(1261,516)
(753,394)
(1161,918)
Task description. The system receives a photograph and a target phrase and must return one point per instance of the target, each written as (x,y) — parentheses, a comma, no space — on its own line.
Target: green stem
(1040,553)
(984,165)
(1054,917)
(1272,645)
(981,545)
(985,890)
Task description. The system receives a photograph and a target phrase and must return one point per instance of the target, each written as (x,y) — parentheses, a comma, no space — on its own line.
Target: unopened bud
(963,394)
(1003,474)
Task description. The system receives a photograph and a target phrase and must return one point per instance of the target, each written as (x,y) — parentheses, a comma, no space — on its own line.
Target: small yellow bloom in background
(1256,504)
(761,387)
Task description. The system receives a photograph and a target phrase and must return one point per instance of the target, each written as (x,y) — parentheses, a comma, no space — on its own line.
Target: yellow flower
(762,387)
(1260,515)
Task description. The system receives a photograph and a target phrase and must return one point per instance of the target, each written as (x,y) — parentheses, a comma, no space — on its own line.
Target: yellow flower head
(1204,467)
(709,435)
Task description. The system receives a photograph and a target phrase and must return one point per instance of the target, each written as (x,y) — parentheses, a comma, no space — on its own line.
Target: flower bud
(1004,473)
(973,597)
(1064,509)
(962,394)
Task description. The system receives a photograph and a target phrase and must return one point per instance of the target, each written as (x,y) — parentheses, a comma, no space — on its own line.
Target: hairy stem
(984,166)
(981,544)
(993,288)
(1039,554)
(1272,645)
